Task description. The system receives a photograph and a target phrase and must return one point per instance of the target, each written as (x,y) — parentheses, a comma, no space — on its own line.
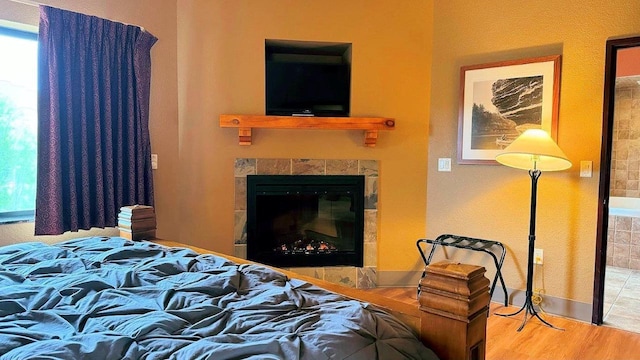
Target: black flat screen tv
(307,78)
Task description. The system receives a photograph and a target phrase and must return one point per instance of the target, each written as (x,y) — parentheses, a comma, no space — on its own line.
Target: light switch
(586,168)
(154,161)
(444,164)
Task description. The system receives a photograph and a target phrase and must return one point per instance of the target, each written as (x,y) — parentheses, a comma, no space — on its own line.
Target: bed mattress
(111,298)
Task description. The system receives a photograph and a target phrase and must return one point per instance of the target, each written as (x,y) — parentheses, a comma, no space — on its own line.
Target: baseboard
(550,304)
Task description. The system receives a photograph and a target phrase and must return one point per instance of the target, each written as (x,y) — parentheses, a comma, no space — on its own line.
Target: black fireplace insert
(305,220)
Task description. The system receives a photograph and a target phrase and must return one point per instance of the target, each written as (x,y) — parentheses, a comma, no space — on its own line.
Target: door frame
(612,47)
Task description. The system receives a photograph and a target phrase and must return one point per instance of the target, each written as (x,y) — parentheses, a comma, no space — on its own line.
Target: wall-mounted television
(307,78)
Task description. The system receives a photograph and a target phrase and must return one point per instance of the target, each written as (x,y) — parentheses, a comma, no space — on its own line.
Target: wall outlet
(538,256)
(444,164)
(154,161)
(586,168)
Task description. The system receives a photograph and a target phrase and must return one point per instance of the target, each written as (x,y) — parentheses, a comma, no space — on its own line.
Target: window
(18,124)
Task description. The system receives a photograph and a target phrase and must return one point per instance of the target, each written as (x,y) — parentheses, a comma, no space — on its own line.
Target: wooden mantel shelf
(245,123)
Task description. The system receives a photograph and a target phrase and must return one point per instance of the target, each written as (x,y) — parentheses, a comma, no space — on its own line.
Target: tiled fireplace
(360,277)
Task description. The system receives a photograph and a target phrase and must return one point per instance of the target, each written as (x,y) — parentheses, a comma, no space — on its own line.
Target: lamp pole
(533,147)
(528,302)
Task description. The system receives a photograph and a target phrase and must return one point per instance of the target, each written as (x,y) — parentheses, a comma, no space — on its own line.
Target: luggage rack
(473,244)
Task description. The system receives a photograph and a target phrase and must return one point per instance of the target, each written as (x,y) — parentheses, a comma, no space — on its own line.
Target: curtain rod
(37,4)
(27,2)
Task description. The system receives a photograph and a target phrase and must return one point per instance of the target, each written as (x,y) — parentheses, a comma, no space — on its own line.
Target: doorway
(614,186)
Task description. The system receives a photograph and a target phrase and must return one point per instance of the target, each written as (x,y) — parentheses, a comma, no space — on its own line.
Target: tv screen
(311,80)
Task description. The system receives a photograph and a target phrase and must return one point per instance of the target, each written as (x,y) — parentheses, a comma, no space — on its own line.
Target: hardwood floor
(536,341)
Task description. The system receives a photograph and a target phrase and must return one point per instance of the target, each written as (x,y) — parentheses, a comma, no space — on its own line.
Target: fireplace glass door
(305,220)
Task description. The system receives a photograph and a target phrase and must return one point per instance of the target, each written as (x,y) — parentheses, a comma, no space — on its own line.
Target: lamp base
(529,310)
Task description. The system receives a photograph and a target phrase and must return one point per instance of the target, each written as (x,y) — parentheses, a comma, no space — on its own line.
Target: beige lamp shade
(534,150)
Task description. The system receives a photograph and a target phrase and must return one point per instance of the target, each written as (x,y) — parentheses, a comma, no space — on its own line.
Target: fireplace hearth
(305,220)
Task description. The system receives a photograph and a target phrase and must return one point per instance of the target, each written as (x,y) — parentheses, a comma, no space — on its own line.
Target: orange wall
(221,71)
(493,201)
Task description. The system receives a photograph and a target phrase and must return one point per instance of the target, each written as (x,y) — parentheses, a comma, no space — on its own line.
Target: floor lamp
(536,152)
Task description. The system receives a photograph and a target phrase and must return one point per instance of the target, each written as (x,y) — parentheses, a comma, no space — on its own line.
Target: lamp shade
(534,150)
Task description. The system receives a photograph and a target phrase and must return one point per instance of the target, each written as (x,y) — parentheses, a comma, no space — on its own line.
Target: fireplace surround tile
(342,167)
(370,254)
(239,228)
(365,277)
(307,167)
(273,166)
(240,251)
(241,193)
(342,275)
(370,226)
(314,272)
(369,167)
(371,192)
(244,167)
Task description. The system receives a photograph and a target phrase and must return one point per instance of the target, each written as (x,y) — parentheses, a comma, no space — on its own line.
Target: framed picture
(499,101)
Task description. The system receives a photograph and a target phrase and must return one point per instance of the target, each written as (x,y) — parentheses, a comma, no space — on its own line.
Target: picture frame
(500,100)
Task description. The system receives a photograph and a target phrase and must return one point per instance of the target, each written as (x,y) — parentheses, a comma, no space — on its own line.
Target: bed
(112,298)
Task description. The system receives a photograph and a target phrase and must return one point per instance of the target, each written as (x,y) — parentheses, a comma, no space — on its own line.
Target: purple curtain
(93,113)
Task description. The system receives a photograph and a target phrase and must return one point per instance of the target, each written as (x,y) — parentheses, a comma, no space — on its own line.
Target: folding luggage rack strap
(462,242)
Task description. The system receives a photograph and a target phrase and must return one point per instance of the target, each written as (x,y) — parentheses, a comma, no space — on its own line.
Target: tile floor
(622,298)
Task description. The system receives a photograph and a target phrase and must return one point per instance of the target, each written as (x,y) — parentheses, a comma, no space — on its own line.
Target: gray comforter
(110,298)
